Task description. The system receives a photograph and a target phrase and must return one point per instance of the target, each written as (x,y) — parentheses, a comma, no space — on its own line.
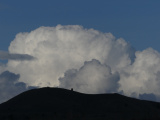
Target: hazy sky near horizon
(93,46)
(136,21)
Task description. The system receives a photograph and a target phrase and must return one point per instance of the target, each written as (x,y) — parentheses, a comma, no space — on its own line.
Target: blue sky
(136,21)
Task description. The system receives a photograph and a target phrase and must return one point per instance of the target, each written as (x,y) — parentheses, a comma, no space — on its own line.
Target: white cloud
(93,77)
(143,76)
(60,48)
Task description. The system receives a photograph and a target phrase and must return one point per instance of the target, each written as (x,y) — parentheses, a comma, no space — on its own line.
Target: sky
(136,21)
(93,46)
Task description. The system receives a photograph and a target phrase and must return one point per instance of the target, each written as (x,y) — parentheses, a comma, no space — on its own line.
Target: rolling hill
(62,104)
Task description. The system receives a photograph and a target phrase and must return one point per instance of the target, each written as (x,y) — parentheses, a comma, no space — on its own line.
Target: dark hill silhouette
(62,104)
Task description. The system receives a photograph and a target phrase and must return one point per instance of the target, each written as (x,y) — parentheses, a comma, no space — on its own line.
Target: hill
(61,104)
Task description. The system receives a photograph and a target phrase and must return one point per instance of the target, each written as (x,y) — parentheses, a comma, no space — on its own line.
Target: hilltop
(62,104)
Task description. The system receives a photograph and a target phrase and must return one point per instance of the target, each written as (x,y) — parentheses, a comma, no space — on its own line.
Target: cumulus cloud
(60,48)
(93,77)
(9,85)
(84,59)
(8,56)
(143,76)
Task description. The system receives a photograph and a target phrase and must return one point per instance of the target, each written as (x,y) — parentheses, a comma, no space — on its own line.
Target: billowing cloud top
(84,59)
(65,47)
(92,77)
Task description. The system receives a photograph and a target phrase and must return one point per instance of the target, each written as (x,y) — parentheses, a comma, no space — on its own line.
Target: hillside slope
(62,104)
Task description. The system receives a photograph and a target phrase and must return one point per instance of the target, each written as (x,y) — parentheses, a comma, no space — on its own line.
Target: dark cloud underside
(10,56)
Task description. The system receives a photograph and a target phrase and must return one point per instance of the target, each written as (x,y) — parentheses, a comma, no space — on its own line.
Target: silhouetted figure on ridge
(71,89)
